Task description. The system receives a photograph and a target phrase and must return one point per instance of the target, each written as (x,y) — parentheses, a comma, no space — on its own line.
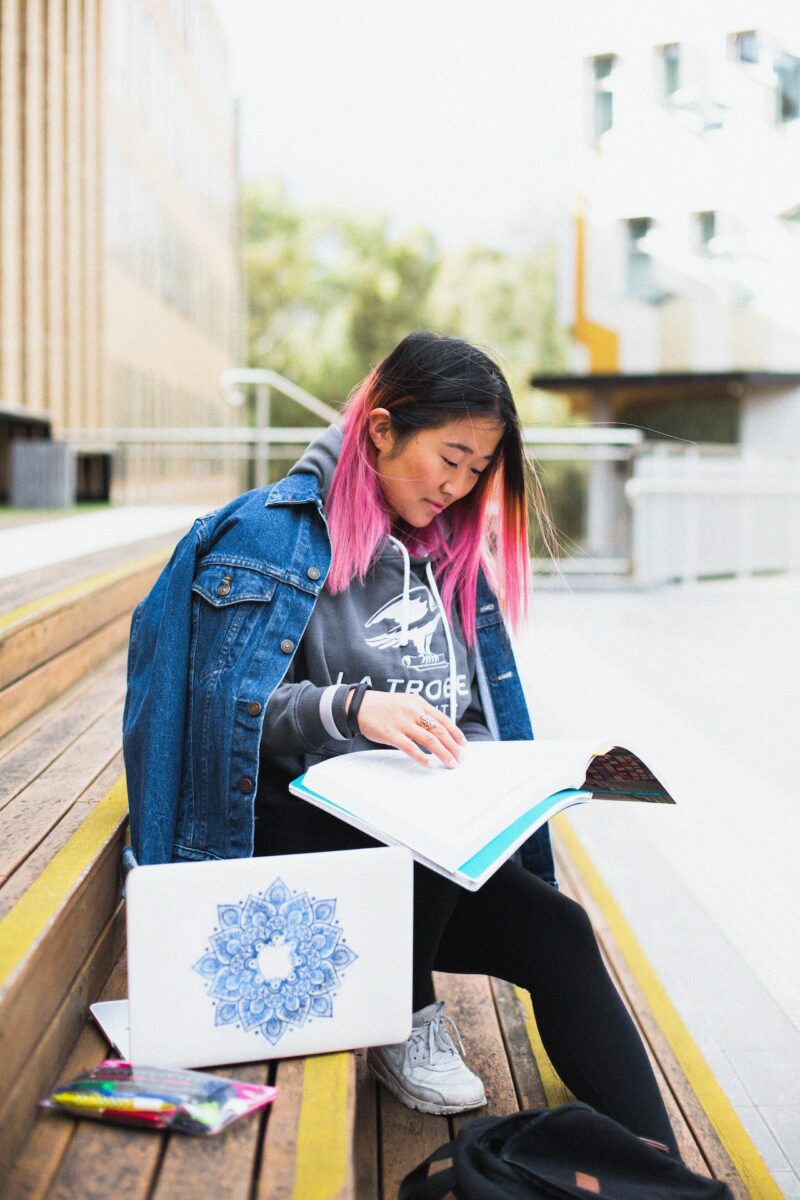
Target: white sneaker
(427,1072)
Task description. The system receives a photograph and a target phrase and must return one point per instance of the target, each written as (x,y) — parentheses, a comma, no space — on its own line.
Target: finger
(430,741)
(446,723)
(443,732)
(410,748)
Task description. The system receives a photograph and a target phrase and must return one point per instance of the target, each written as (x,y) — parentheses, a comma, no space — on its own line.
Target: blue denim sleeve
(153,722)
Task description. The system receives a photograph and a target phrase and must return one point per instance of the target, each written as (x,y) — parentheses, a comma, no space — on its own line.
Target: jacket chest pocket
(227,602)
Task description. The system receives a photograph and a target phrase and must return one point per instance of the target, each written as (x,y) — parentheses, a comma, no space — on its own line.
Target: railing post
(261,444)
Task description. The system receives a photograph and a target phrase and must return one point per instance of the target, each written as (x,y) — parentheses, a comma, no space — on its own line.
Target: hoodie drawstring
(451,654)
(406,590)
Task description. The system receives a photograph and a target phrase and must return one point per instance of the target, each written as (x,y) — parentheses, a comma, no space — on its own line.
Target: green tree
(505,302)
(329,294)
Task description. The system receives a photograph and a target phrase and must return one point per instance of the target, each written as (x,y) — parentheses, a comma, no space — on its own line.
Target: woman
(381,541)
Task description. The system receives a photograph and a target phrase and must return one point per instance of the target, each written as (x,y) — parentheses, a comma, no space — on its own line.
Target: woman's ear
(380,430)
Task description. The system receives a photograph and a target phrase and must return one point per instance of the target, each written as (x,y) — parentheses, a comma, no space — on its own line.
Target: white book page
(448,815)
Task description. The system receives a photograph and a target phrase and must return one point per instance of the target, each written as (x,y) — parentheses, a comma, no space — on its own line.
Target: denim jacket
(211,641)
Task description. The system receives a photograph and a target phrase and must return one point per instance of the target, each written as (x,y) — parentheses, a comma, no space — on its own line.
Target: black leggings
(520,929)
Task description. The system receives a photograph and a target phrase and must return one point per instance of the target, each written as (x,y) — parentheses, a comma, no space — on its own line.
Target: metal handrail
(262,377)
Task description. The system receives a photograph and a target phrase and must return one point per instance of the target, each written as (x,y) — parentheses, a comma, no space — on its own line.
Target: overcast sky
(438,111)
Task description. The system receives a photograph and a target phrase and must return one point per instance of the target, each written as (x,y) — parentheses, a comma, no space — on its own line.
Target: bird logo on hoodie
(424,618)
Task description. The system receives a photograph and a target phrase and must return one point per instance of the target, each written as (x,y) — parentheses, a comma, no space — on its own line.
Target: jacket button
(313,572)
(287,646)
(224,588)
(245,784)
(254,708)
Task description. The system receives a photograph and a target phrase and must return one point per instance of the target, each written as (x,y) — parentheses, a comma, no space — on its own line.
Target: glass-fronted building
(120,286)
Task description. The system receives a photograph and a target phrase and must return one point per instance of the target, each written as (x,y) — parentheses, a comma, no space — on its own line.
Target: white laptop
(254,958)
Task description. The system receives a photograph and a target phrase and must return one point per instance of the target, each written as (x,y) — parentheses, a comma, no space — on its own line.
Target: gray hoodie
(391,630)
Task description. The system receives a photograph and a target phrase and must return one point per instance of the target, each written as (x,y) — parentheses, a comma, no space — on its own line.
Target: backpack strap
(418,1185)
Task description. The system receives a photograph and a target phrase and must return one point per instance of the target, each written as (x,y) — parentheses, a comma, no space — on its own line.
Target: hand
(393,719)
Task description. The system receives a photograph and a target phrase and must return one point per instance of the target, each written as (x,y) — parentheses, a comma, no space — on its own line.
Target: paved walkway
(705,678)
(41,543)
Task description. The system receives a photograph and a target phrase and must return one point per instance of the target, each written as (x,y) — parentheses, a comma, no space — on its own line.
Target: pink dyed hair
(487,529)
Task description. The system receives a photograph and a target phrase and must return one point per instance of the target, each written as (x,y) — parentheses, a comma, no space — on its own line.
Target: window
(670,69)
(602,95)
(640,264)
(706,231)
(787,71)
(745,46)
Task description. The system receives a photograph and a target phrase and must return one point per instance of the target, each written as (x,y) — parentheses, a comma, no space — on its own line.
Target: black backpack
(545,1154)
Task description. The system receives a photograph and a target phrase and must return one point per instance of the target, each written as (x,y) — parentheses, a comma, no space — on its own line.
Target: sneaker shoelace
(438,1036)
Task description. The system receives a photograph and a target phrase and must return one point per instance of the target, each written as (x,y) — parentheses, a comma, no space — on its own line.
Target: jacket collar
(300,488)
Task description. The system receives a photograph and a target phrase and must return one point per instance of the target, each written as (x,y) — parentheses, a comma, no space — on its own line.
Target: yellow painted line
(56,599)
(733,1135)
(322,1156)
(555,1091)
(34,911)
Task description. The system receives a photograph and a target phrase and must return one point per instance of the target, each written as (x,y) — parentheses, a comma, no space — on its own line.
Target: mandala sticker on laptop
(275,962)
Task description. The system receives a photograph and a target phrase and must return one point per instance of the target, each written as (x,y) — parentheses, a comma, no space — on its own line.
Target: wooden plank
(470,1004)
(45,634)
(25,696)
(45,583)
(37,1163)
(308,1148)
(276,1176)
(527,1080)
(407,1137)
(685,1110)
(38,721)
(39,1160)
(365,1137)
(31,869)
(216,1168)
(33,993)
(28,819)
(63,723)
(36,1070)
(103,1161)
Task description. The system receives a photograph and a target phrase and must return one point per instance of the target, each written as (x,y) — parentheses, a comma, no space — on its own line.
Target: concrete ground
(26,545)
(702,680)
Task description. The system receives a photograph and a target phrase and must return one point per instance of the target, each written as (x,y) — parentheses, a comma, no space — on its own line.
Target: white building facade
(684,254)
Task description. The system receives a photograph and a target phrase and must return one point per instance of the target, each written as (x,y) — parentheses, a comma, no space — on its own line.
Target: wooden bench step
(44,943)
(57,725)
(301,1147)
(50,644)
(44,1003)
(27,819)
(330,1117)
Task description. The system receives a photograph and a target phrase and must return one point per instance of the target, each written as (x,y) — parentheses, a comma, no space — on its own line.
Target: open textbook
(465,822)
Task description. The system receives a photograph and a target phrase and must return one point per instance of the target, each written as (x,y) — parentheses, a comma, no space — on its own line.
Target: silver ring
(427,722)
